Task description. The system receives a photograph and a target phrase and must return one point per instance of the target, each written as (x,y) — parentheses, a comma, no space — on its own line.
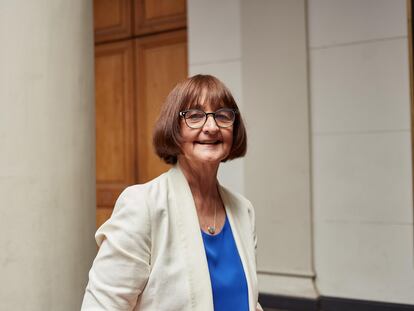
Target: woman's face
(208,144)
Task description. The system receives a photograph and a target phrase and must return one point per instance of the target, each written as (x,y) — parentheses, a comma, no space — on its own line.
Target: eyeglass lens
(197,118)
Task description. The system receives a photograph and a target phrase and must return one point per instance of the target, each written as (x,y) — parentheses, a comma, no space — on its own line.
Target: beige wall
(362,174)
(277,168)
(332,185)
(47,182)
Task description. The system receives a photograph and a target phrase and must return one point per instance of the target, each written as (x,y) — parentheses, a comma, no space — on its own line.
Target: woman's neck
(201,177)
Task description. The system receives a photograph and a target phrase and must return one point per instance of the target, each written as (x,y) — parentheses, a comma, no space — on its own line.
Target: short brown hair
(195,91)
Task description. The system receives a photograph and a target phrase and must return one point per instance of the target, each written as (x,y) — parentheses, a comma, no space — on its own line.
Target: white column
(47,157)
(277,166)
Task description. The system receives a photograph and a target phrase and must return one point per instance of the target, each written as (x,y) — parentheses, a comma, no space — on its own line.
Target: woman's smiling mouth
(209,142)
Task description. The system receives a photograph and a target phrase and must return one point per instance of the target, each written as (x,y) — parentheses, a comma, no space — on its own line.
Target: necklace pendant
(211,229)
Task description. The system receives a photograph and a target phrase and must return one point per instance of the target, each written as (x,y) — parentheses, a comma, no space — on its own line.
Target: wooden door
(161,62)
(132,80)
(153,16)
(112,19)
(122,19)
(135,68)
(114,104)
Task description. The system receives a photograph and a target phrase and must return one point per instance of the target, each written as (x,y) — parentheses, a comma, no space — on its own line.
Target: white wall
(47,158)
(363,208)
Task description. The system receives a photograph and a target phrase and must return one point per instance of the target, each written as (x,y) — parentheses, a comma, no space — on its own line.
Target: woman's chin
(207,158)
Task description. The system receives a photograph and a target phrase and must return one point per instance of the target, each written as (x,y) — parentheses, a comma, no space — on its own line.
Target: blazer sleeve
(122,266)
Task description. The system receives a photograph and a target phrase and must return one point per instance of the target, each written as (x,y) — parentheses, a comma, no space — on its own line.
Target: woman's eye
(223,116)
(195,116)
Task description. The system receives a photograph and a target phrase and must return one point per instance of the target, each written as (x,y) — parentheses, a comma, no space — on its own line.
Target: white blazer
(152,256)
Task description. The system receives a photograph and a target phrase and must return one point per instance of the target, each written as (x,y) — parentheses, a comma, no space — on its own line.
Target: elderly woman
(182,241)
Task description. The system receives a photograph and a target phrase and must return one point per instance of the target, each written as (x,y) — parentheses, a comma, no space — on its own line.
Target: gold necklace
(212,229)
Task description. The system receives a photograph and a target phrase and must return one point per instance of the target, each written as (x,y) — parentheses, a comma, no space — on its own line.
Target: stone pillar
(277,166)
(47,157)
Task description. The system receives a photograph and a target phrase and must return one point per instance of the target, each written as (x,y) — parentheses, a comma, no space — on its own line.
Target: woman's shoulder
(235,198)
(132,210)
(145,190)
(239,205)
(139,198)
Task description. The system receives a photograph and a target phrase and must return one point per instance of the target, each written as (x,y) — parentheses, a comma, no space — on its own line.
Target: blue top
(227,276)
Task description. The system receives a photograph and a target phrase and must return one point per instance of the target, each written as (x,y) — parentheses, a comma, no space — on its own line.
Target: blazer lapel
(190,234)
(237,225)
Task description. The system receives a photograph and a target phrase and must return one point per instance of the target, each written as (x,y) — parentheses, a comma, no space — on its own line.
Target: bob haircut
(195,92)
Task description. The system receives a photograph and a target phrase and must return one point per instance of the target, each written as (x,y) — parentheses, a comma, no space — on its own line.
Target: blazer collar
(190,234)
(235,219)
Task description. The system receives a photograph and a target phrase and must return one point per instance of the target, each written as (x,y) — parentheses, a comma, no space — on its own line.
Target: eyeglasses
(195,118)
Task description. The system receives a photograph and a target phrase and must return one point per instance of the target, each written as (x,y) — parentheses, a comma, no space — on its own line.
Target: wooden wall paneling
(112,19)
(161,62)
(102,214)
(115,152)
(159,15)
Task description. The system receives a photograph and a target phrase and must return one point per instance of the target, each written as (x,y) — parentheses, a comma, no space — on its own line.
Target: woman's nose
(210,124)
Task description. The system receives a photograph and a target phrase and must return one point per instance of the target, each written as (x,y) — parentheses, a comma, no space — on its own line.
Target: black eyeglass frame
(184,112)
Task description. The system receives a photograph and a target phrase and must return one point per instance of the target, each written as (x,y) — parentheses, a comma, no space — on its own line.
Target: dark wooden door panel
(161,63)
(159,15)
(112,19)
(115,152)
